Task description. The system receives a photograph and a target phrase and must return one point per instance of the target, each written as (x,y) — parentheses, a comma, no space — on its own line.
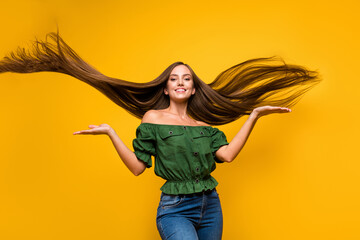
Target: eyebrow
(183,75)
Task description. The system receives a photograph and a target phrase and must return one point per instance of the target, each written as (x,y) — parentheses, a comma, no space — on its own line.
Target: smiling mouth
(180,90)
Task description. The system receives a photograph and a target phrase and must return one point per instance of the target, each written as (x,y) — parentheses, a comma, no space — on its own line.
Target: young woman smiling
(177,110)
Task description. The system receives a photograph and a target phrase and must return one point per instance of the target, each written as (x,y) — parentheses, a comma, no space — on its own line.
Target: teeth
(180,90)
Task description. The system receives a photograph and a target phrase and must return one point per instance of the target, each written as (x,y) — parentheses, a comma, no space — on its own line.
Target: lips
(180,90)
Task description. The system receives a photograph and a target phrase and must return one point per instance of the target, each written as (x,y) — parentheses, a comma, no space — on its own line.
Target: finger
(286,110)
(83,132)
(275,108)
(279,110)
(79,132)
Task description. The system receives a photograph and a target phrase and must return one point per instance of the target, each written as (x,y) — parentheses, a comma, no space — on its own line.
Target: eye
(172,79)
(187,78)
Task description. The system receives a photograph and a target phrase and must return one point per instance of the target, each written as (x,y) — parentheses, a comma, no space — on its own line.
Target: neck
(179,109)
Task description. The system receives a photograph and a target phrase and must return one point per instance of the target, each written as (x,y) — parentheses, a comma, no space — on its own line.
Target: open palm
(95,129)
(265,110)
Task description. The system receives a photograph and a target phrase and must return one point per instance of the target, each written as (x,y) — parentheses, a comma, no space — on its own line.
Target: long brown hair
(234,92)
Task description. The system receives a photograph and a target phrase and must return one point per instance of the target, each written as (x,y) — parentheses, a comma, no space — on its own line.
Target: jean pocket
(215,193)
(169,201)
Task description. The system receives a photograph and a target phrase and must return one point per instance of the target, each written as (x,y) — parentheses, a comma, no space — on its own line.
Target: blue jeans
(190,216)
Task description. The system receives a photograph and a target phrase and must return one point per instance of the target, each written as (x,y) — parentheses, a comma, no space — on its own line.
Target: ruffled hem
(188,186)
(146,158)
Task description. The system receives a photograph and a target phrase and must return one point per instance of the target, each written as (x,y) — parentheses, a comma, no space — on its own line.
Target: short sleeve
(218,139)
(144,144)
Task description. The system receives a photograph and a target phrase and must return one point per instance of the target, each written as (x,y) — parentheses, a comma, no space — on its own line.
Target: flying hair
(233,93)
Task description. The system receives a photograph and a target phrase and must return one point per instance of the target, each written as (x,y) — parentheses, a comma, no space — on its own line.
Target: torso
(183,149)
(165,117)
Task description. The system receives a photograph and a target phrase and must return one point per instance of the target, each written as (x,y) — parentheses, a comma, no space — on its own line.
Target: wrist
(254,115)
(111,133)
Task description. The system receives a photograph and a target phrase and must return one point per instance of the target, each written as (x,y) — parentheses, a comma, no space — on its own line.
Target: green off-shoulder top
(184,155)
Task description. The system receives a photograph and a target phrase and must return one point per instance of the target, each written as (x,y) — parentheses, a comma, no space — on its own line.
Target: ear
(193,91)
(166,91)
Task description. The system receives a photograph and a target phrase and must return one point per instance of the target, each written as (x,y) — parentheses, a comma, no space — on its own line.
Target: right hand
(96,129)
(265,110)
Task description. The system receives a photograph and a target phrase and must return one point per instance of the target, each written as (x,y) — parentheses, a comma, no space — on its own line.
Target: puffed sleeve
(218,139)
(144,144)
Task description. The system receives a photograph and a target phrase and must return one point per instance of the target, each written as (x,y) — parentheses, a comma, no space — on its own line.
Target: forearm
(127,156)
(229,152)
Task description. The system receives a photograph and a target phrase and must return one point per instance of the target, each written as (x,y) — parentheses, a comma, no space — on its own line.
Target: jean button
(196,180)
(196,153)
(197,169)
(184,128)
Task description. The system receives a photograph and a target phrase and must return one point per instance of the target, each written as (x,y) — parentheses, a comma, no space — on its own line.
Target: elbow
(138,168)
(138,171)
(226,159)
(225,155)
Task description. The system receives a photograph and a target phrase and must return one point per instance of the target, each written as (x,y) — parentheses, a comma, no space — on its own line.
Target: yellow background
(296,178)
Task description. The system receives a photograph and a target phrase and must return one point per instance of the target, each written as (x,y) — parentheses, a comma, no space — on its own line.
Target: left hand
(265,110)
(96,129)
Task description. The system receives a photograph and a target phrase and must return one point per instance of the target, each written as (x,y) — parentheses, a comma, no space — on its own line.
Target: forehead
(180,70)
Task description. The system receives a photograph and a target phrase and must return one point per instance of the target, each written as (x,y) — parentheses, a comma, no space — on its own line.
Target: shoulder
(151,116)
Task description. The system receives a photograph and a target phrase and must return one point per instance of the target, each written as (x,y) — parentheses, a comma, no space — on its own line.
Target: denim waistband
(204,192)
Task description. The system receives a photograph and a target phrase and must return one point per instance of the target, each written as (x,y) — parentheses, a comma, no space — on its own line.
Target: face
(180,85)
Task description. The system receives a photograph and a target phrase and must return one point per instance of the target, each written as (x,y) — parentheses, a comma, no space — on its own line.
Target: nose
(180,82)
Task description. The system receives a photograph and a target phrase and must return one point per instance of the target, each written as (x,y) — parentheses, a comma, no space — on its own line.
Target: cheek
(166,88)
(192,86)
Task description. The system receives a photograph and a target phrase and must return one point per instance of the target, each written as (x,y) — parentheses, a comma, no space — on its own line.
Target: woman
(177,109)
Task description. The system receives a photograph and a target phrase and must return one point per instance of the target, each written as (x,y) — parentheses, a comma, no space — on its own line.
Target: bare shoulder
(202,123)
(151,116)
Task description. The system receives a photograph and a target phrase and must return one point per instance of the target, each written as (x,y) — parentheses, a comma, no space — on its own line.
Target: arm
(127,156)
(228,153)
